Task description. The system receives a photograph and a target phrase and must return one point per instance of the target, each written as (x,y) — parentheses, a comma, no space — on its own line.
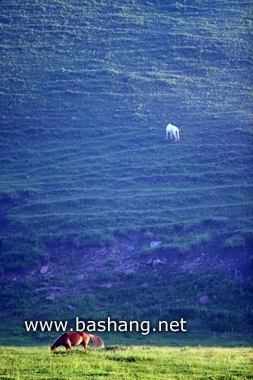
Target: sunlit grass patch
(145,362)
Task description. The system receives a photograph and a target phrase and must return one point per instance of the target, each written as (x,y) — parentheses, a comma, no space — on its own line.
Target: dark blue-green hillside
(87,89)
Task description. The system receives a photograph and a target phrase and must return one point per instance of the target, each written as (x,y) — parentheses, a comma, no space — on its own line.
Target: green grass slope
(87,89)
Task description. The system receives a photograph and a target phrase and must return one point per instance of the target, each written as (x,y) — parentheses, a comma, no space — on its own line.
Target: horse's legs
(85,343)
(67,345)
(171,134)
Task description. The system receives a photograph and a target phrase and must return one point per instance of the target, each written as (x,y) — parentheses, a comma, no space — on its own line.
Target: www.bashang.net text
(108,325)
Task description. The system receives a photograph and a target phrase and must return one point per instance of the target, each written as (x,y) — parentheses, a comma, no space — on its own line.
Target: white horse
(173,131)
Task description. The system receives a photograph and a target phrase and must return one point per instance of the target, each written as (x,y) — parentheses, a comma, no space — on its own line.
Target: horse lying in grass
(69,339)
(173,131)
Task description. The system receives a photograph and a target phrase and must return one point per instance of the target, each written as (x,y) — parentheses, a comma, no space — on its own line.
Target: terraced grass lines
(87,91)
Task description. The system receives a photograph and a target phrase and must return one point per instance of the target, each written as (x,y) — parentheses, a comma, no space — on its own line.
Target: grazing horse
(173,131)
(69,339)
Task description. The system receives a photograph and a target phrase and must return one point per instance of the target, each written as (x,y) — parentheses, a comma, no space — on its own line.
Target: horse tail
(97,341)
(178,137)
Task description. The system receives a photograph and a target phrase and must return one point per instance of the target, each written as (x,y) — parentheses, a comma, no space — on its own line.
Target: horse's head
(52,347)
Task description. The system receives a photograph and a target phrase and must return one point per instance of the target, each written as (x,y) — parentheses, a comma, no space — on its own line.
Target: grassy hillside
(87,89)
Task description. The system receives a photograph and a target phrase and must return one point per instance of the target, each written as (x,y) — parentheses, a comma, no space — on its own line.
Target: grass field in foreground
(127,363)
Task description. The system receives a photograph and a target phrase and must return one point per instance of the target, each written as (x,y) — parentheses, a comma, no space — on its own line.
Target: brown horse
(69,339)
